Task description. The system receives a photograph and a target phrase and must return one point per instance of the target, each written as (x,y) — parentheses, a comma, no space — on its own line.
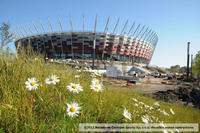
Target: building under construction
(134,44)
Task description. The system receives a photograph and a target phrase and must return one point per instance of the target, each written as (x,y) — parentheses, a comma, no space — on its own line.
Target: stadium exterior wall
(80,45)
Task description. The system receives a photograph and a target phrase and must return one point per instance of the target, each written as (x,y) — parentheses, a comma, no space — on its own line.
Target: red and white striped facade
(80,44)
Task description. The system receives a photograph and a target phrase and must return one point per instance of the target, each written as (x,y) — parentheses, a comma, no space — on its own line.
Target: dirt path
(147,85)
(152,85)
(166,90)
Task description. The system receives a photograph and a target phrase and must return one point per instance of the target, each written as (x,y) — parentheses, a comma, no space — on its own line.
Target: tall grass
(44,109)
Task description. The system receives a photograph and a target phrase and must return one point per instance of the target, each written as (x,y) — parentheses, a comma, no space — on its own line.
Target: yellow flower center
(32,83)
(52,79)
(96,87)
(97,83)
(74,86)
(72,109)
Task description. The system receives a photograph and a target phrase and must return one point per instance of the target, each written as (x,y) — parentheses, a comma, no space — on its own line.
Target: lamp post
(188,60)
(93,55)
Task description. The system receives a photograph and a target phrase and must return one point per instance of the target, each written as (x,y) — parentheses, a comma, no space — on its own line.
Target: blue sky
(175,21)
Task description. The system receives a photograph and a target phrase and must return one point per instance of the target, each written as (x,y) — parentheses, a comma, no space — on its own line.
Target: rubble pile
(186,94)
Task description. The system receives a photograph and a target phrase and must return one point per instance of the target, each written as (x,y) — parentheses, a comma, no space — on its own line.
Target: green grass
(44,109)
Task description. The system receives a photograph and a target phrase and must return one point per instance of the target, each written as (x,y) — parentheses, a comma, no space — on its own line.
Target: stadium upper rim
(136,43)
(136,31)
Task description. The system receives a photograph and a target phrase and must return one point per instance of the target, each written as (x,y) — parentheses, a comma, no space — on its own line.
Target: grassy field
(45,109)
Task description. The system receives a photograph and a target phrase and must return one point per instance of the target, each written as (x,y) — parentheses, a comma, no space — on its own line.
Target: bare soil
(146,85)
(163,89)
(152,85)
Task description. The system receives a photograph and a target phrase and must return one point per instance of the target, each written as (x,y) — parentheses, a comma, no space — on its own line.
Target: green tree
(183,69)
(196,66)
(175,68)
(5,35)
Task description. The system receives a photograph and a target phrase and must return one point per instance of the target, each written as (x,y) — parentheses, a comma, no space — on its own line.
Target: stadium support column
(94,43)
(30,34)
(93,55)
(54,51)
(71,37)
(42,28)
(37,32)
(123,33)
(19,36)
(21,32)
(188,60)
(143,44)
(24,30)
(130,57)
(104,45)
(14,36)
(83,37)
(140,43)
(145,40)
(61,29)
(153,41)
(114,30)
(105,38)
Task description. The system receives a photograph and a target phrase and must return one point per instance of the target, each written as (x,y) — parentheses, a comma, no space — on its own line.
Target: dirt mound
(186,95)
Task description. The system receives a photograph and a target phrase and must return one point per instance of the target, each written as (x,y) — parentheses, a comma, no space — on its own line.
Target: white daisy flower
(95,81)
(96,88)
(32,84)
(172,111)
(164,113)
(53,79)
(68,60)
(97,73)
(146,106)
(142,103)
(151,108)
(126,114)
(76,67)
(86,68)
(165,131)
(135,100)
(177,130)
(136,104)
(145,119)
(157,104)
(73,109)
(77,76)
(162,125)
(75,88)
(77,62)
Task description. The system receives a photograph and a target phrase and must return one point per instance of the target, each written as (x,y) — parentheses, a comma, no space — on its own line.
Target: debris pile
(187,94)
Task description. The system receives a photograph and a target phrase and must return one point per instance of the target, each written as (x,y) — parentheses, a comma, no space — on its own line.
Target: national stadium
(132,44)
